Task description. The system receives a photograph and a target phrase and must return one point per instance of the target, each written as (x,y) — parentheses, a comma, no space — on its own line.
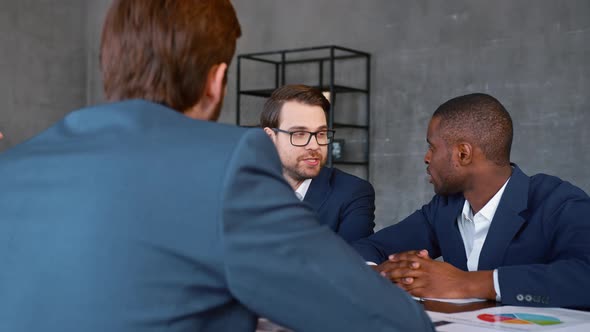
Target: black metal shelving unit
(326,60)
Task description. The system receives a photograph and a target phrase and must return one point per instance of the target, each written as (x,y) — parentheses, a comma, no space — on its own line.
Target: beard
(446,180)
(299,172)
(446,184)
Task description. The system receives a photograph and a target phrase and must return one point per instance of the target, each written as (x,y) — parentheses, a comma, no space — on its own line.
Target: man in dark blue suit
(140,215)
(294,117)
(503,235)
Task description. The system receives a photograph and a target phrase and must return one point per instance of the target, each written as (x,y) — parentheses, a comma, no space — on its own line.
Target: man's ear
(465,153)
(209,105)
(270,133)
(215,87)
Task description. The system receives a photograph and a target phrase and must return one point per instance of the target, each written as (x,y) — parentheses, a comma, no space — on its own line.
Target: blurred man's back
(139,216)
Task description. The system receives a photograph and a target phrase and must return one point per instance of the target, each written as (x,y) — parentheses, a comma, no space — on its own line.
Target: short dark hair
(271,113)
(162,50)
(481,120)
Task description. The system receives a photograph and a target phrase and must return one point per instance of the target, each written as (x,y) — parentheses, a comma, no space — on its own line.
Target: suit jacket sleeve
(565,281)
(282,265)
(415,232)
(357,217)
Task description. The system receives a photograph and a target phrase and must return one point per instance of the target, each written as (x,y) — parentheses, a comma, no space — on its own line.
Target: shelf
(288,62)
(362,163)
(257,93)
(348,125)
(343,53)
(267,92)
(322,63)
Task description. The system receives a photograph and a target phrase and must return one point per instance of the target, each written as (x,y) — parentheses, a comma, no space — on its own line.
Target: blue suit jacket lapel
(507,221)
(319,189)
(450,240)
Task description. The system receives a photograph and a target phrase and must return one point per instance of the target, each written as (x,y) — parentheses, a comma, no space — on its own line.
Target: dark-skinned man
(503,235)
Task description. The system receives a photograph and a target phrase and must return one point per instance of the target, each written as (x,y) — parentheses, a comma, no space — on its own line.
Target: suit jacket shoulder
(544,260)
(344,202)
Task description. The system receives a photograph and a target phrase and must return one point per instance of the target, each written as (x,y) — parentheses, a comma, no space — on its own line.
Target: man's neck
(292,182)
(485,185)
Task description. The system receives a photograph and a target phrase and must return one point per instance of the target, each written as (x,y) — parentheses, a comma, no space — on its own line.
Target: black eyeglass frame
(329,134)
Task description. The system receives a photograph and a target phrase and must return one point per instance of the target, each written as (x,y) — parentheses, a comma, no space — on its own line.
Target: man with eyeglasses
(294,117)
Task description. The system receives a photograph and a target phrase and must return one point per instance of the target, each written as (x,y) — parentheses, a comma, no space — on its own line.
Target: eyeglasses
(302,138)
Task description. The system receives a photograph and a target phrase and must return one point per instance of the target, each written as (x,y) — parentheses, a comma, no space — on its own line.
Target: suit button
(519,297)
(528,298)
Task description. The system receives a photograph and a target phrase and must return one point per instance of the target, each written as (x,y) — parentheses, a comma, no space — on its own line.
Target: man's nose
(313,143)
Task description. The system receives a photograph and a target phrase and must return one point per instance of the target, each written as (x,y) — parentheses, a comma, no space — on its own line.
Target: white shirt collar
(489,210)
(302,189)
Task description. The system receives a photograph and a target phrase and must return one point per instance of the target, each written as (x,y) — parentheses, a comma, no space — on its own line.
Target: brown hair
(162,50)
(271,113)
(481,120)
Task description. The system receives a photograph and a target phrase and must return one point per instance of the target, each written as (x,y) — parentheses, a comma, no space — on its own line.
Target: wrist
(480,285)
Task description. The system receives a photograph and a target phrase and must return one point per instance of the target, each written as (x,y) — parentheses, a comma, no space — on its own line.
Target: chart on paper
(513,318)
(520,318)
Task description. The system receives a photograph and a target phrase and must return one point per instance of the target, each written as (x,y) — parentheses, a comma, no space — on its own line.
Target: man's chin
(311,173)
(437,189)
(445,191)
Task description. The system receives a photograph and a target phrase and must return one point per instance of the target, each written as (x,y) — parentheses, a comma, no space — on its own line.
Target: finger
(402,255)
(390,275)
(398,267)
(387,266)
(417,287)
(413,264)
(397,281)
(412,289)
(407,280)
(423,253)
(403,273)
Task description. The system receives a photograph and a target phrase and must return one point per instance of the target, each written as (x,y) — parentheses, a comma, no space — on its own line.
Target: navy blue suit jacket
(539,240)
(133,217)
(344,202)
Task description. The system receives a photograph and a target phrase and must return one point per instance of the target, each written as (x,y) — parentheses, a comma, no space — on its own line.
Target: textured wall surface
(533,55)
(42,65)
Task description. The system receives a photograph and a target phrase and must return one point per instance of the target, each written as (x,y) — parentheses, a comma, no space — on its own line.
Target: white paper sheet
(514,318)
(458,301)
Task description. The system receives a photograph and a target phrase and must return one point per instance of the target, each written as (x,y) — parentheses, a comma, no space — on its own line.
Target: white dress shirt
(302,189)
(474,230)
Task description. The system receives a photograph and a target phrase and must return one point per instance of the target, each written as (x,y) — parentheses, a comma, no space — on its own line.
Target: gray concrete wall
(533,55)
(42,65)
(96,11)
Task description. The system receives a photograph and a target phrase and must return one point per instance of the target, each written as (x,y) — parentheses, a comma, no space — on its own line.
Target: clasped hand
(422,276)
